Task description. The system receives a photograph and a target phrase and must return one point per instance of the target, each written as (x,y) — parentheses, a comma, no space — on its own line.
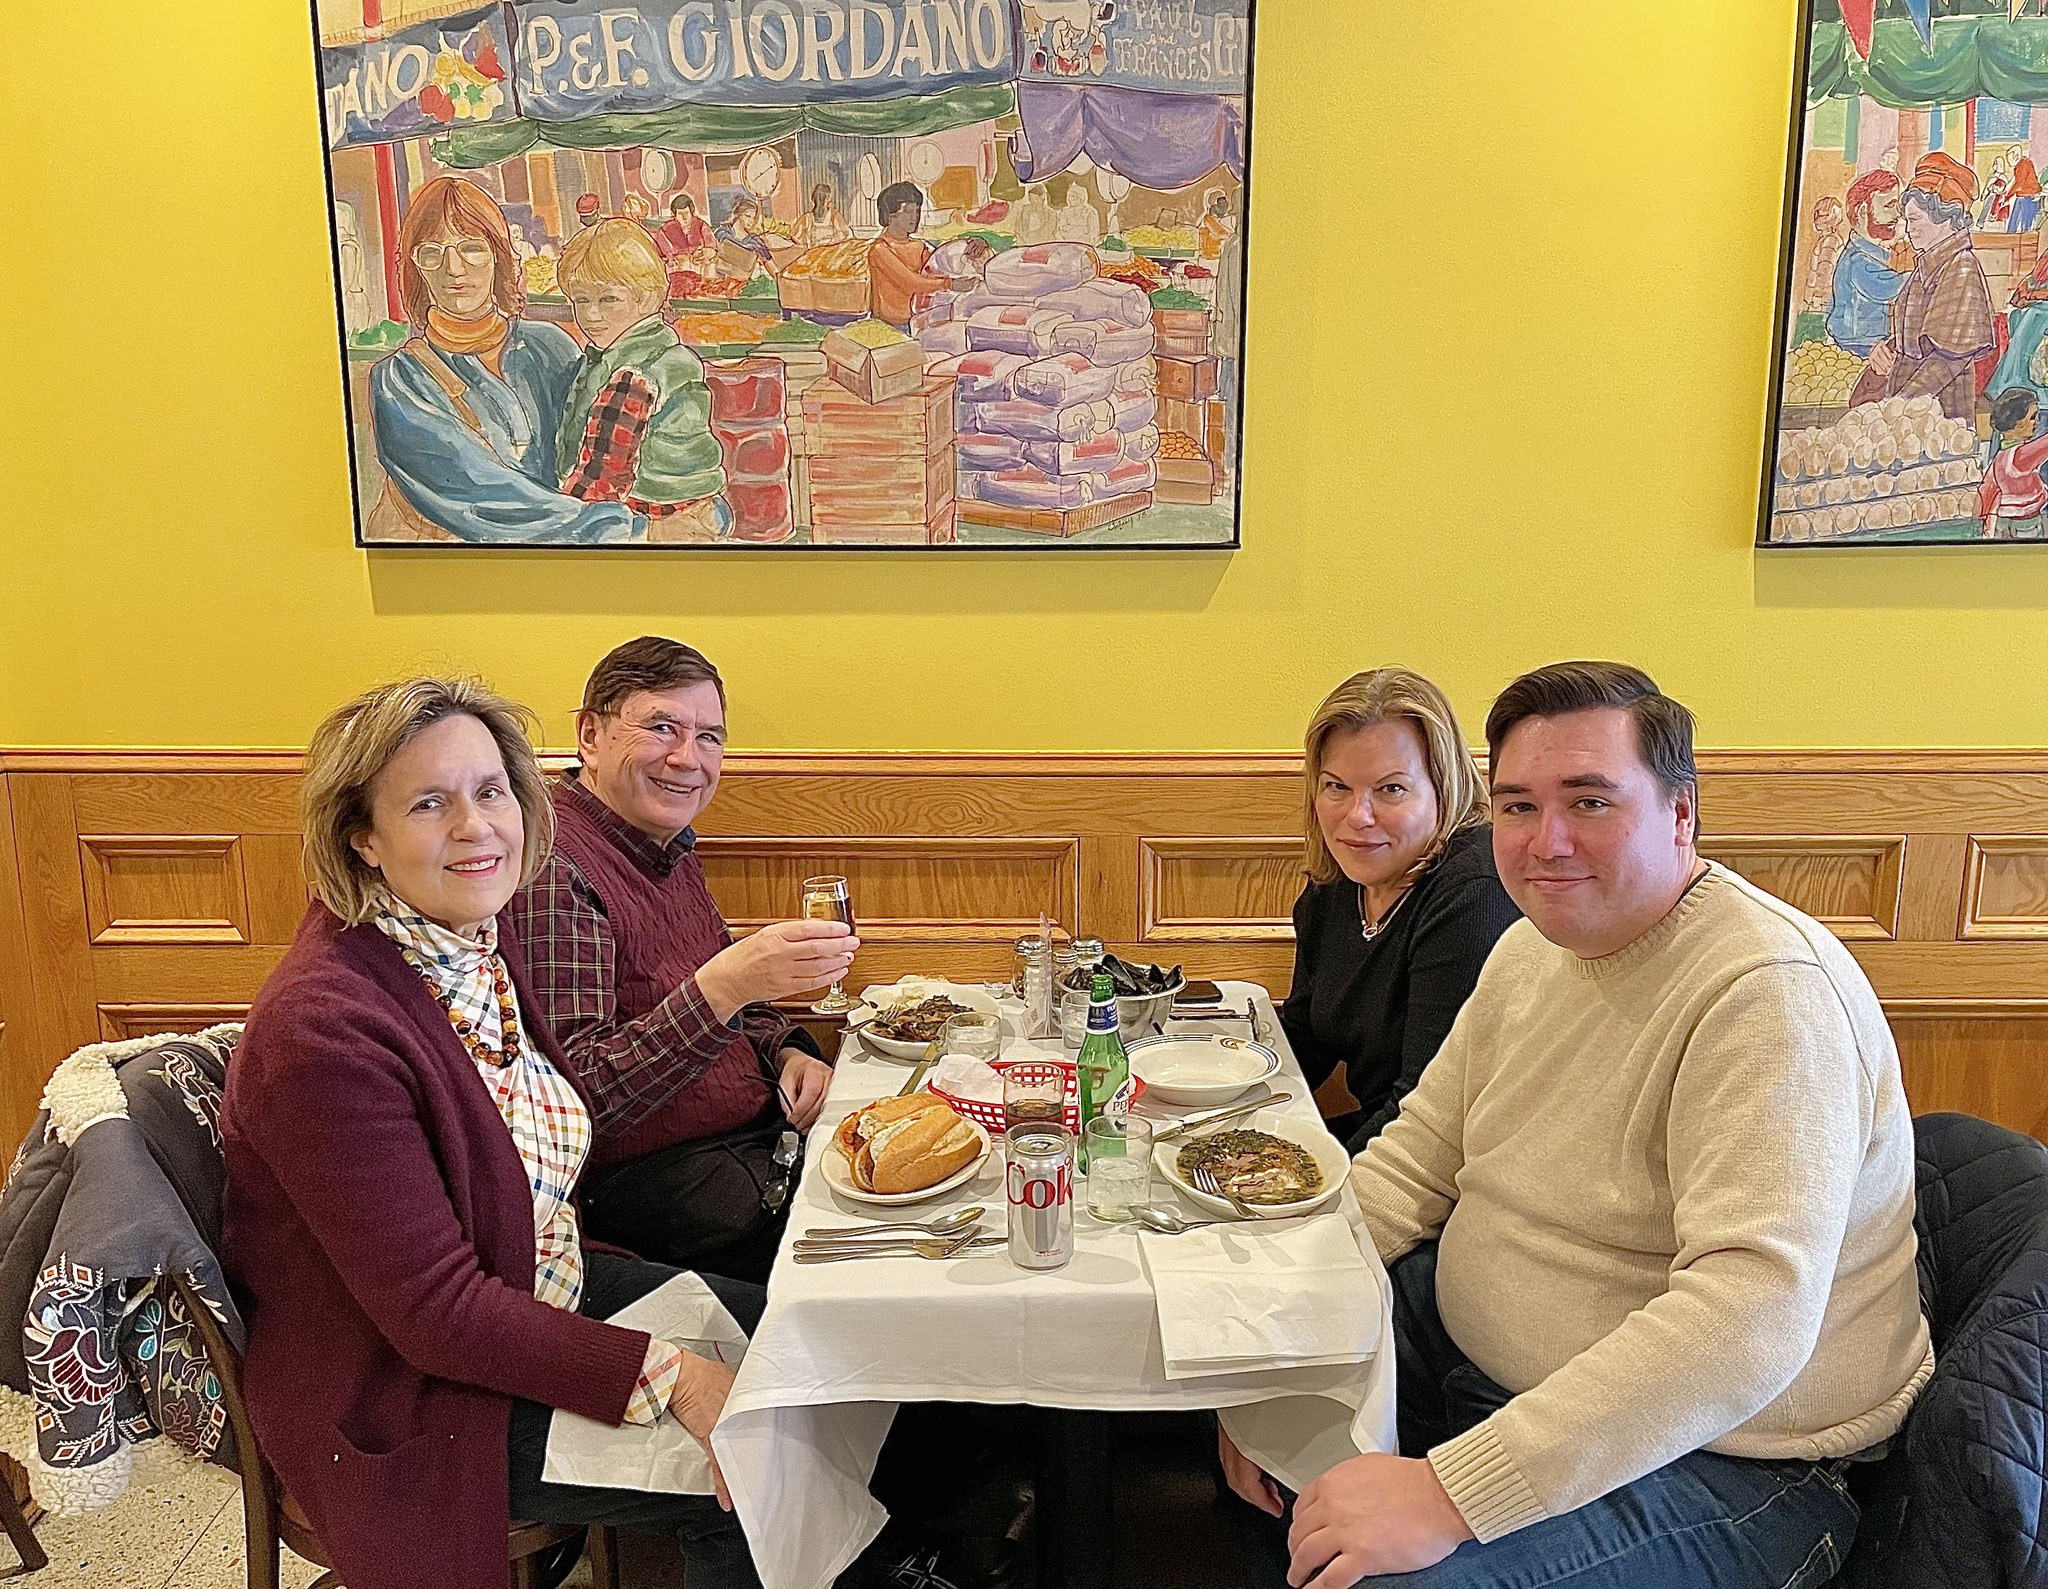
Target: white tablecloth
(842,1344)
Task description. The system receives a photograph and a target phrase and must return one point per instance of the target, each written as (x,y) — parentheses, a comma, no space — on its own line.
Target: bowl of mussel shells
(1144,995)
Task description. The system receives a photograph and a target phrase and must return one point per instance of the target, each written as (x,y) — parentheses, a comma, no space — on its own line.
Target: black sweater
(1382,1009)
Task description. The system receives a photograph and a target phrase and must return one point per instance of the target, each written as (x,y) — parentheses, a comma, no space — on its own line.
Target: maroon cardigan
(378,1229)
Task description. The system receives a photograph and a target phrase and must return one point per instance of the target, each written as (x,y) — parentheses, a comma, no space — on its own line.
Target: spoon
(1170,1221)
(944,1225)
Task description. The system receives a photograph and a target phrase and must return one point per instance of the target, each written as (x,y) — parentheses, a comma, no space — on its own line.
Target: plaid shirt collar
(459,968)
(656,860)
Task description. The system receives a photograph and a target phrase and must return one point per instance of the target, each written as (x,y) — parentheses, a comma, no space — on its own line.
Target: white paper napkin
(1240,1297)
(663,1456)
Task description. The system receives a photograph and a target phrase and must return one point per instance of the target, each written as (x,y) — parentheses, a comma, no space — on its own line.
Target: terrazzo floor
(183,1530)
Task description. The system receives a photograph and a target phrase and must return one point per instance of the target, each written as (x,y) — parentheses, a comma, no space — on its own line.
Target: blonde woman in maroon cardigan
(403,1146)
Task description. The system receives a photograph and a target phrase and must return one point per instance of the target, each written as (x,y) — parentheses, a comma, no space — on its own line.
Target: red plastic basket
(988,1114)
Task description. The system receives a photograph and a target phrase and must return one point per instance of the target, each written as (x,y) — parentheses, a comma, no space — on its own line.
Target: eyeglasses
(430,257)
(789,1149)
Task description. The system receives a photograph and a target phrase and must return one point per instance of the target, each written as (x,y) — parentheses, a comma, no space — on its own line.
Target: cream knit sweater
(1674,1189)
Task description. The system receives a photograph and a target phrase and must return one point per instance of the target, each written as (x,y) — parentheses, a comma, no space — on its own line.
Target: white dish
(912,988)
(1329,1154)
(1199,1069)
(839,1176)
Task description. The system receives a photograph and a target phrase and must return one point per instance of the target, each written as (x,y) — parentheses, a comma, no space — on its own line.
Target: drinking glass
(1034,1091)
(976,1035)
(825,899)
(1119,1165)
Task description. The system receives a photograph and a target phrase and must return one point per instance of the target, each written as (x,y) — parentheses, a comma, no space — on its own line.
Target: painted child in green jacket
(637,424)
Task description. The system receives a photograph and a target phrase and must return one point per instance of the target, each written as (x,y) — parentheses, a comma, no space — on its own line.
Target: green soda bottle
(1104,1078)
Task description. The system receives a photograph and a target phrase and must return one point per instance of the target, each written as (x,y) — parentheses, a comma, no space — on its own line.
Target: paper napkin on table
(1240,1297)
(662,1456)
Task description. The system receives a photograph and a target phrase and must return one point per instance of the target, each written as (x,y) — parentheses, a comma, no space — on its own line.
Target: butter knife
(1216,1116)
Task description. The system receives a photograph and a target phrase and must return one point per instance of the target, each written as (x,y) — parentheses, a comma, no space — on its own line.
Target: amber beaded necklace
(465,1028)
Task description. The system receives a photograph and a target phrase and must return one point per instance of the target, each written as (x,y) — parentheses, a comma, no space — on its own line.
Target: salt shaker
(1034,985)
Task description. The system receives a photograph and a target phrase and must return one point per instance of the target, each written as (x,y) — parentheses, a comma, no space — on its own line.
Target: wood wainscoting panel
(1982,1057)
(909,888)
(145,891)
(2005,887)
(163,888)
(1205,890)
(122,1022)
(1848,883)
(20,1078)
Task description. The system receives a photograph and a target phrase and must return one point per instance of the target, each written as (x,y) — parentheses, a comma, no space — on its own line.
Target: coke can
(1040,1183)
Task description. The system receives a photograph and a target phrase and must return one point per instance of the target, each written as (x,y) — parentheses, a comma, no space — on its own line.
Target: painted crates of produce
(847,490)
(941,529)
(1181,333)
(1190,380)
(1058,522)
(1186,480)
(837,423)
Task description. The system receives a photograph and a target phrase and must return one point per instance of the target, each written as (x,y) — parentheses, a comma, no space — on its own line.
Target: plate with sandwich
(904,1150)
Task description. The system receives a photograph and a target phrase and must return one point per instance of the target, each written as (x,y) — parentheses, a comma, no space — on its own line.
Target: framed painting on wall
(795,274)
(1912,329)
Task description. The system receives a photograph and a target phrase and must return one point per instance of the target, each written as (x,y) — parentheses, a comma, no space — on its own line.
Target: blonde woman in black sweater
(1402,905)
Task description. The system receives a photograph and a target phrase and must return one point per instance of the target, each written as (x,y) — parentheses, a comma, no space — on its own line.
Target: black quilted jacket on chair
(1959,1503)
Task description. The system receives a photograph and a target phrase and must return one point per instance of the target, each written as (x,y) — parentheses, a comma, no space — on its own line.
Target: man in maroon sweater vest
(651,999)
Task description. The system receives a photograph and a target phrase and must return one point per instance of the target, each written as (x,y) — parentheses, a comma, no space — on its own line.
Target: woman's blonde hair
(357,742)
(615,253)
(1385,695)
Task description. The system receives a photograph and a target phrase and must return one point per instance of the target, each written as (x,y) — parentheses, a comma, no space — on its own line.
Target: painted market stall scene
(853,273)
(1914,342)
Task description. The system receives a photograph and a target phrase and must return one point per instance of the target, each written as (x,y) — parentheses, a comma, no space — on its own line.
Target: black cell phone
(1199,993)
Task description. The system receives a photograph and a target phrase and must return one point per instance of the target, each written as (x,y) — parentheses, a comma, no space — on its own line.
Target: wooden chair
(271,1517)
(19,1524)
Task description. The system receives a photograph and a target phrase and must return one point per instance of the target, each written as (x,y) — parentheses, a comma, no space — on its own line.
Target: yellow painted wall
(1511,280)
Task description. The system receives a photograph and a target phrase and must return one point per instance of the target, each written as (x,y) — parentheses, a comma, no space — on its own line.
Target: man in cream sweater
(1648,1214)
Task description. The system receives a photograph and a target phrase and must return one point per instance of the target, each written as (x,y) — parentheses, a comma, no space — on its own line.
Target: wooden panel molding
(907,889)
(1203,890)
(1848,883)
(119,1022)
(183,888)
(153,890)
(2005,887)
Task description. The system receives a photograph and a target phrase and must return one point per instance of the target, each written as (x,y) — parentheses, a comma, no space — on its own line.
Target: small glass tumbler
(1034,1092)
(1119,1165)
(974,1034)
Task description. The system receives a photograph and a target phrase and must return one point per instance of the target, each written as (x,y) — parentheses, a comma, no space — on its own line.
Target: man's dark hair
(2011,407)
(1663,727)
(648,663)
(682,201)
(894,197)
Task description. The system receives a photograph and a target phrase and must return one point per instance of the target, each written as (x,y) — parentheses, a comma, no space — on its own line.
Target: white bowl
(839,1176)
(1193,1068)
(916,988)
(1329,1153)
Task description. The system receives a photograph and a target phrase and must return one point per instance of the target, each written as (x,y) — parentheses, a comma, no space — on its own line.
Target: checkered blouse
(548,1122)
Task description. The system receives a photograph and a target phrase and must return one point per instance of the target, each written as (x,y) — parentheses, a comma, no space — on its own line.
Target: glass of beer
(825,899)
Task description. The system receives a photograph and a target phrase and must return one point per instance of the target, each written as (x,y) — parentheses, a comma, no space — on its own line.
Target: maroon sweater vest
(663,929)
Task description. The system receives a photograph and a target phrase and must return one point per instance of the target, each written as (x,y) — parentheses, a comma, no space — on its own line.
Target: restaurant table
(842,1345)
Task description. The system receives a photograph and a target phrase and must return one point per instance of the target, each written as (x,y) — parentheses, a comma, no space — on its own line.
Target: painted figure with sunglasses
(655,1004)
(465,413)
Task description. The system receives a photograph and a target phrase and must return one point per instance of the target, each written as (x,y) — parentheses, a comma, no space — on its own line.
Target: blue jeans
(1703,1522)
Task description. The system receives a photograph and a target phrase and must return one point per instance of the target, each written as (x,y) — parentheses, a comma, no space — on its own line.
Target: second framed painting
(883,274)
(1912,341)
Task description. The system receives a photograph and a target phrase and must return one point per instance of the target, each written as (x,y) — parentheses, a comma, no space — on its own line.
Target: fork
(1204,1180)
(923,1247)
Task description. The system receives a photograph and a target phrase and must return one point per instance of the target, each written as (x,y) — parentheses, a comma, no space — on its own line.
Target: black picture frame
(1820,502)
(355,417)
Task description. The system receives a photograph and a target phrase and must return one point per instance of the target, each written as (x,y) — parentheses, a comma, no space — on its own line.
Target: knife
(917,1076)
(1215,1116)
